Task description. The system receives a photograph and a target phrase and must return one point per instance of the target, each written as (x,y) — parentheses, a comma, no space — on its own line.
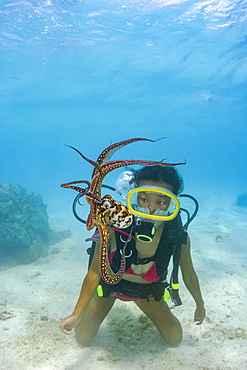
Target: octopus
(106,211)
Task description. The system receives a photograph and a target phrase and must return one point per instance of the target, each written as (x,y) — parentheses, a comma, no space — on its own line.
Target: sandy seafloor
(34,297)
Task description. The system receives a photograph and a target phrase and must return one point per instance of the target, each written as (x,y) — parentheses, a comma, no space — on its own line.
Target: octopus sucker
(106,210)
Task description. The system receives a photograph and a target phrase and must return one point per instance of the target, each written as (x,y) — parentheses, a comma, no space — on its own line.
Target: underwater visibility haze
(92,73)
(89,73)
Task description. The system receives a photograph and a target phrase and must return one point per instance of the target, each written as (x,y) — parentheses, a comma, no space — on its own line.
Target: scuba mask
(151,205)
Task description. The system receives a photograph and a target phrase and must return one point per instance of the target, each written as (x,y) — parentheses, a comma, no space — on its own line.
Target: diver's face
(154,201)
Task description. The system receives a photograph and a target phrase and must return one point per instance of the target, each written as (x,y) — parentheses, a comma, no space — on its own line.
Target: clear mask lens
(153,203)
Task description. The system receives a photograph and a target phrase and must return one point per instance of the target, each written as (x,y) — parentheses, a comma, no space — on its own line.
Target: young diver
(150,241)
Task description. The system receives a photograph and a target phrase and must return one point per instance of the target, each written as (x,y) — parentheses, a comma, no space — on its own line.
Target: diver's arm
(89,286)
(191,281)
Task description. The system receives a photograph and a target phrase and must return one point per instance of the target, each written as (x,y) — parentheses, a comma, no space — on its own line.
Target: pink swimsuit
(150,276)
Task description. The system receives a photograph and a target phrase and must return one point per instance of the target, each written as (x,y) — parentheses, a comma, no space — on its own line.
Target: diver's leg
(92,318)
(160,314)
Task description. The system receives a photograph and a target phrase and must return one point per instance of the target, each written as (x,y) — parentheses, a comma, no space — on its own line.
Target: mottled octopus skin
(106,210)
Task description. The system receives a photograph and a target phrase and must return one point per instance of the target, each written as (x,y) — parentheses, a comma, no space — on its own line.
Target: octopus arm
(110,150)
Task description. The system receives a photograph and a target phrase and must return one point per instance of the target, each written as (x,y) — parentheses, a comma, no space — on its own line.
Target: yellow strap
(175,286)
(100,291)
(166,295)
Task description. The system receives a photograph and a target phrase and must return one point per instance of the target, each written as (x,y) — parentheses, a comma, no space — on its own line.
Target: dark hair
(168,175)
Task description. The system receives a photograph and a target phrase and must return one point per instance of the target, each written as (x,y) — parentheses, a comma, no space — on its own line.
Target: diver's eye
(163,202)
(143,199)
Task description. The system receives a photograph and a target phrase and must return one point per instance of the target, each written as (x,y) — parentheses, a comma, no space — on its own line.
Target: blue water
(90,73)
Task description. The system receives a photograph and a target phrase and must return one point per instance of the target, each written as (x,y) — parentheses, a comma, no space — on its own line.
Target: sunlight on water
(78,72)
(91,73)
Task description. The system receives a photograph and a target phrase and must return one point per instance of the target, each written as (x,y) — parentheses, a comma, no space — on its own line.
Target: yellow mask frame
(156,190)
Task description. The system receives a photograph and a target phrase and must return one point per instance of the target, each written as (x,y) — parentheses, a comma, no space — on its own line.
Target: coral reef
(25,234)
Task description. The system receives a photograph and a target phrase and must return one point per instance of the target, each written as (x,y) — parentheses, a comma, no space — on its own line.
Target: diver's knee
(175,339)
(83,339)
(82,342)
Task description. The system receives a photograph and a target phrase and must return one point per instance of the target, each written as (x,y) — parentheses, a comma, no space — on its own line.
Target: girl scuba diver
(150,242)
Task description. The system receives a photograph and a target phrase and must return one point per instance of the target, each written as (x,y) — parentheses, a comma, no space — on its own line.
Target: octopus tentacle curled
(105,211)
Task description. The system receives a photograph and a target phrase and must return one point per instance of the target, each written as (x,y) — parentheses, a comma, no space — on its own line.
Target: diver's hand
(69,323)
(200,314)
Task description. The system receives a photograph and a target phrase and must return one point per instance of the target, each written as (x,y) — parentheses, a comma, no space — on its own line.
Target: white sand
(36,296)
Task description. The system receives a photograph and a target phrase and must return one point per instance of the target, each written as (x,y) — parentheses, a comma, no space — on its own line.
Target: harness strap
(143,261)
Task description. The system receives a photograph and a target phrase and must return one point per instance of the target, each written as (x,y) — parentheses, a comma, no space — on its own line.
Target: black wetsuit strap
(144,261)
